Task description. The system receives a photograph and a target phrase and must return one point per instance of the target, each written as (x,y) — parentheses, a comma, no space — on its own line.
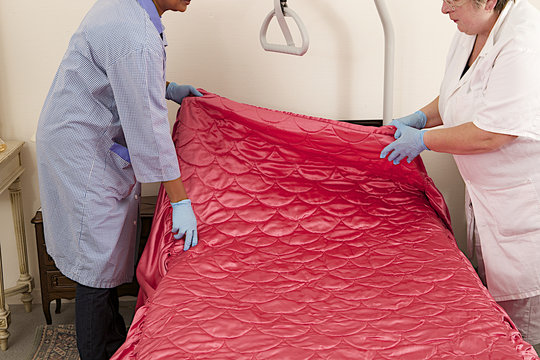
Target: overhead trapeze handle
(280,12)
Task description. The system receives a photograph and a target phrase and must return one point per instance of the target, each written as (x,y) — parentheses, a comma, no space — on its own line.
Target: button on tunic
(103,130)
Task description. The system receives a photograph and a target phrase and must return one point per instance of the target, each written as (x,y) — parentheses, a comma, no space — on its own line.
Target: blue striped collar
(150,8)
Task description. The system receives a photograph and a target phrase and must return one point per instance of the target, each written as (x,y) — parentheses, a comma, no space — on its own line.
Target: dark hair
(498,8)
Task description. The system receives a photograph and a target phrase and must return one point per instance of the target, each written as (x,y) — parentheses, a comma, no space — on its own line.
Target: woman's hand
(184,223)
(177,93)
(409,144)
(417,120)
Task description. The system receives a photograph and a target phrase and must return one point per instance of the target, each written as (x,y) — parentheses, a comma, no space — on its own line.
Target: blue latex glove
(184,223)
(417,120)
(177,93)
(409,144)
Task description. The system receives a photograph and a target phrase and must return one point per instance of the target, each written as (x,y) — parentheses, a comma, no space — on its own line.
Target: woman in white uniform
(489,106)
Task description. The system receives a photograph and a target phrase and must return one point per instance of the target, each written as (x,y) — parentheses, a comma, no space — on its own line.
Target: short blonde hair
(498,8)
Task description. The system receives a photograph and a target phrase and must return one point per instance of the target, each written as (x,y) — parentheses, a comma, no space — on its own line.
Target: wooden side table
(55,286)
(10,171)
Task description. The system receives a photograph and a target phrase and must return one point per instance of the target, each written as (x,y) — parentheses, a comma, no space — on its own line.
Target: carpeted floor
(24,326)
(55,342)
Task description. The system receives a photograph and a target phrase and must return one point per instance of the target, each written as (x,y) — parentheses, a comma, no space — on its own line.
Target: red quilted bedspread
(310,247)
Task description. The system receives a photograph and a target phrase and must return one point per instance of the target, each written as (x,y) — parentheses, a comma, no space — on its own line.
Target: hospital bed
(310,247)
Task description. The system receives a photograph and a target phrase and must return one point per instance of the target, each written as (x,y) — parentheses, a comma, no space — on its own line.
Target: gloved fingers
(411,158)
(188,240)
(194,91)
(179,234)
(387,150)
(399,126)
(398,159)
(395,154)
(195,238)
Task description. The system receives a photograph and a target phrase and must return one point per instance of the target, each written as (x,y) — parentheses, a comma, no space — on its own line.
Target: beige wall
(215,46)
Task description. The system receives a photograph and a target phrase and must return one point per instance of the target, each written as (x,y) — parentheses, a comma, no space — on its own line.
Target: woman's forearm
(465,139)
(175,190)
(432,113)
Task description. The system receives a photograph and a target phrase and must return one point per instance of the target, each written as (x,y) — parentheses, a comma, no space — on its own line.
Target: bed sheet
(310,247)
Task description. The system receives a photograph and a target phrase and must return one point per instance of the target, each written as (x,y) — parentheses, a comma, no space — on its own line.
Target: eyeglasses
(454,3)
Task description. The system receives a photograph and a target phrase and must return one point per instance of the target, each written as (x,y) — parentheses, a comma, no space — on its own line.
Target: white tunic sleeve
(511,99)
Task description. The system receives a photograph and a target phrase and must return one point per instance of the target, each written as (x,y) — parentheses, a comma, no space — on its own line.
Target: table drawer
(57,281)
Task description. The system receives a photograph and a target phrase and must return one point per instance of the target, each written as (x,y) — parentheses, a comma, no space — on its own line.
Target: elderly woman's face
(468,16)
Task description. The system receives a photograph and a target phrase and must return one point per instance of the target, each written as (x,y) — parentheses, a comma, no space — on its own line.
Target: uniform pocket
(515,209)
(122,152)
(119,176)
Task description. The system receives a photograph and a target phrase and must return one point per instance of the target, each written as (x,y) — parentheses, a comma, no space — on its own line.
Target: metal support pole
(389,52)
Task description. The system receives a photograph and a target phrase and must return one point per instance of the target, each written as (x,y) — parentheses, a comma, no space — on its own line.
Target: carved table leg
(58,306)
(5,315)
(20,236)
(47,311)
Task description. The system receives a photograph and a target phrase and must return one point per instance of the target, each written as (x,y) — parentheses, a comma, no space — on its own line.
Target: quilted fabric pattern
(311,247)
